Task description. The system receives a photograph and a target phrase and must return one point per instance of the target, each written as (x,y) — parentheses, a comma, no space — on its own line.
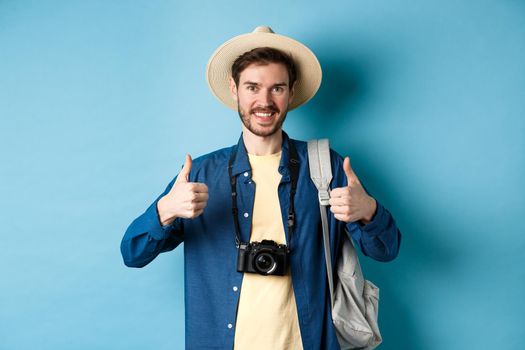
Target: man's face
(263,97)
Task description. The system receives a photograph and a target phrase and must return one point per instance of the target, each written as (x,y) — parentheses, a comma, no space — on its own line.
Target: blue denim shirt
(210,254)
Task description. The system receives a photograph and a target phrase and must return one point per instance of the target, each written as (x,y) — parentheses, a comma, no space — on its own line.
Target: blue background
(100,100)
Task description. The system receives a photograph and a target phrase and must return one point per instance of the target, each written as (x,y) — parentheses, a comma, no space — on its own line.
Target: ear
(233,88)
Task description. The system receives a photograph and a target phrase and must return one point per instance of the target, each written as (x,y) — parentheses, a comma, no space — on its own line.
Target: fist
(185,199)
(352,203)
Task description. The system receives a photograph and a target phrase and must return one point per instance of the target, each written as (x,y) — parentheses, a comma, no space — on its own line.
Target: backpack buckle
(324,197)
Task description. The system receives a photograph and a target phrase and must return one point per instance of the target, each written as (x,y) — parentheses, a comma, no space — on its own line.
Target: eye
(278,89)
(251,88)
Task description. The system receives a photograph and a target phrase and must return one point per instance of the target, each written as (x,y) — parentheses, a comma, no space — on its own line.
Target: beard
(262,132)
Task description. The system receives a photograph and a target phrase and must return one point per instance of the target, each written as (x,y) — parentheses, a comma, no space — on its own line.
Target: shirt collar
(241,162)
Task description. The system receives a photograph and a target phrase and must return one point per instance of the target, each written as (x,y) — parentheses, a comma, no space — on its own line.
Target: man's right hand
(185,199)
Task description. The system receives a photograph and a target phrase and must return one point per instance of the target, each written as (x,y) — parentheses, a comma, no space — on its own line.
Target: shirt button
(246,174)
(246,215)
(235,288)
(230,325)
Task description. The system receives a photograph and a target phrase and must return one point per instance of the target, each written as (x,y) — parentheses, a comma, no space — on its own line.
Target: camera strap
(293,167)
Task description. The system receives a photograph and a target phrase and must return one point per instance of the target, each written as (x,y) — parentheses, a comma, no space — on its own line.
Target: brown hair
(263,56)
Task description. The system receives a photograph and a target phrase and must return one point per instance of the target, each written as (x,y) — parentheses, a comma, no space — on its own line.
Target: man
(259,190)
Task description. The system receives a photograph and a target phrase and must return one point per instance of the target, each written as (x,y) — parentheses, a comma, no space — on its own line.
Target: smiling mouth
(264,116)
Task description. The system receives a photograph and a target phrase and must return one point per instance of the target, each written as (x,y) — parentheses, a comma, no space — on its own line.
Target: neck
(262,145)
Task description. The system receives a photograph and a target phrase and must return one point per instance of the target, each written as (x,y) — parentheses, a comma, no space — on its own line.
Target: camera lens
(265,263)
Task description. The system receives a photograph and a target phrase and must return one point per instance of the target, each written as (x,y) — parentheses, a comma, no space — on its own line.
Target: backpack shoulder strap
(320,169)
(321,174)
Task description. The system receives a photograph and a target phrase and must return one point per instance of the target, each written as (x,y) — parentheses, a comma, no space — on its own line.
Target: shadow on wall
(344,83)
(348,90)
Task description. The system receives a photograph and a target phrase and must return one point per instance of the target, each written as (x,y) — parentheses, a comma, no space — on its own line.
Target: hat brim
(218,70)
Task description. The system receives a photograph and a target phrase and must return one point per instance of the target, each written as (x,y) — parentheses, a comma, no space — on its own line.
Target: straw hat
(218,70)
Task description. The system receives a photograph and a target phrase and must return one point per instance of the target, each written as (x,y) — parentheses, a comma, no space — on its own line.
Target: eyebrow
(257,84)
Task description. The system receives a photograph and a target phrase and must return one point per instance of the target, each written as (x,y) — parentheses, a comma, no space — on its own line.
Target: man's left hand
(352,203)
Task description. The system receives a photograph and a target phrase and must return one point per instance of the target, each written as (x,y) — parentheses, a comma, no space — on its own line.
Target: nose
(265,98)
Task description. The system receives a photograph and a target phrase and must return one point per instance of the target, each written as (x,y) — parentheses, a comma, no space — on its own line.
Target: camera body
(265,258)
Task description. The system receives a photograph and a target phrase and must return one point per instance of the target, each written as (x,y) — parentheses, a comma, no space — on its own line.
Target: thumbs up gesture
(185,199)
(352,203)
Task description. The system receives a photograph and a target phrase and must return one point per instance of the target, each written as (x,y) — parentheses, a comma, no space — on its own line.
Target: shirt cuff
(155,229)
(377,224)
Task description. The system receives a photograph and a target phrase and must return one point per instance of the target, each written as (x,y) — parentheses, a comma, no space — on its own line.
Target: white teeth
(263,114)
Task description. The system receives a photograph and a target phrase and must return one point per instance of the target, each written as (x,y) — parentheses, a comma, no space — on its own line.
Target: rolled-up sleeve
(146,238)
(380,238)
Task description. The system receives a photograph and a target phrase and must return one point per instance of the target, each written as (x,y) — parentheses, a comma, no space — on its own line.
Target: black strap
(235,211)
(293,167)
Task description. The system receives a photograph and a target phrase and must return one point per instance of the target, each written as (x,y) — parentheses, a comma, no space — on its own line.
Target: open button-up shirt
(212,283)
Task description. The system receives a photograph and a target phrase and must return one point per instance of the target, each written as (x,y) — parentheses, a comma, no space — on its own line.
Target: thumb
(350,174)
(184,174)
